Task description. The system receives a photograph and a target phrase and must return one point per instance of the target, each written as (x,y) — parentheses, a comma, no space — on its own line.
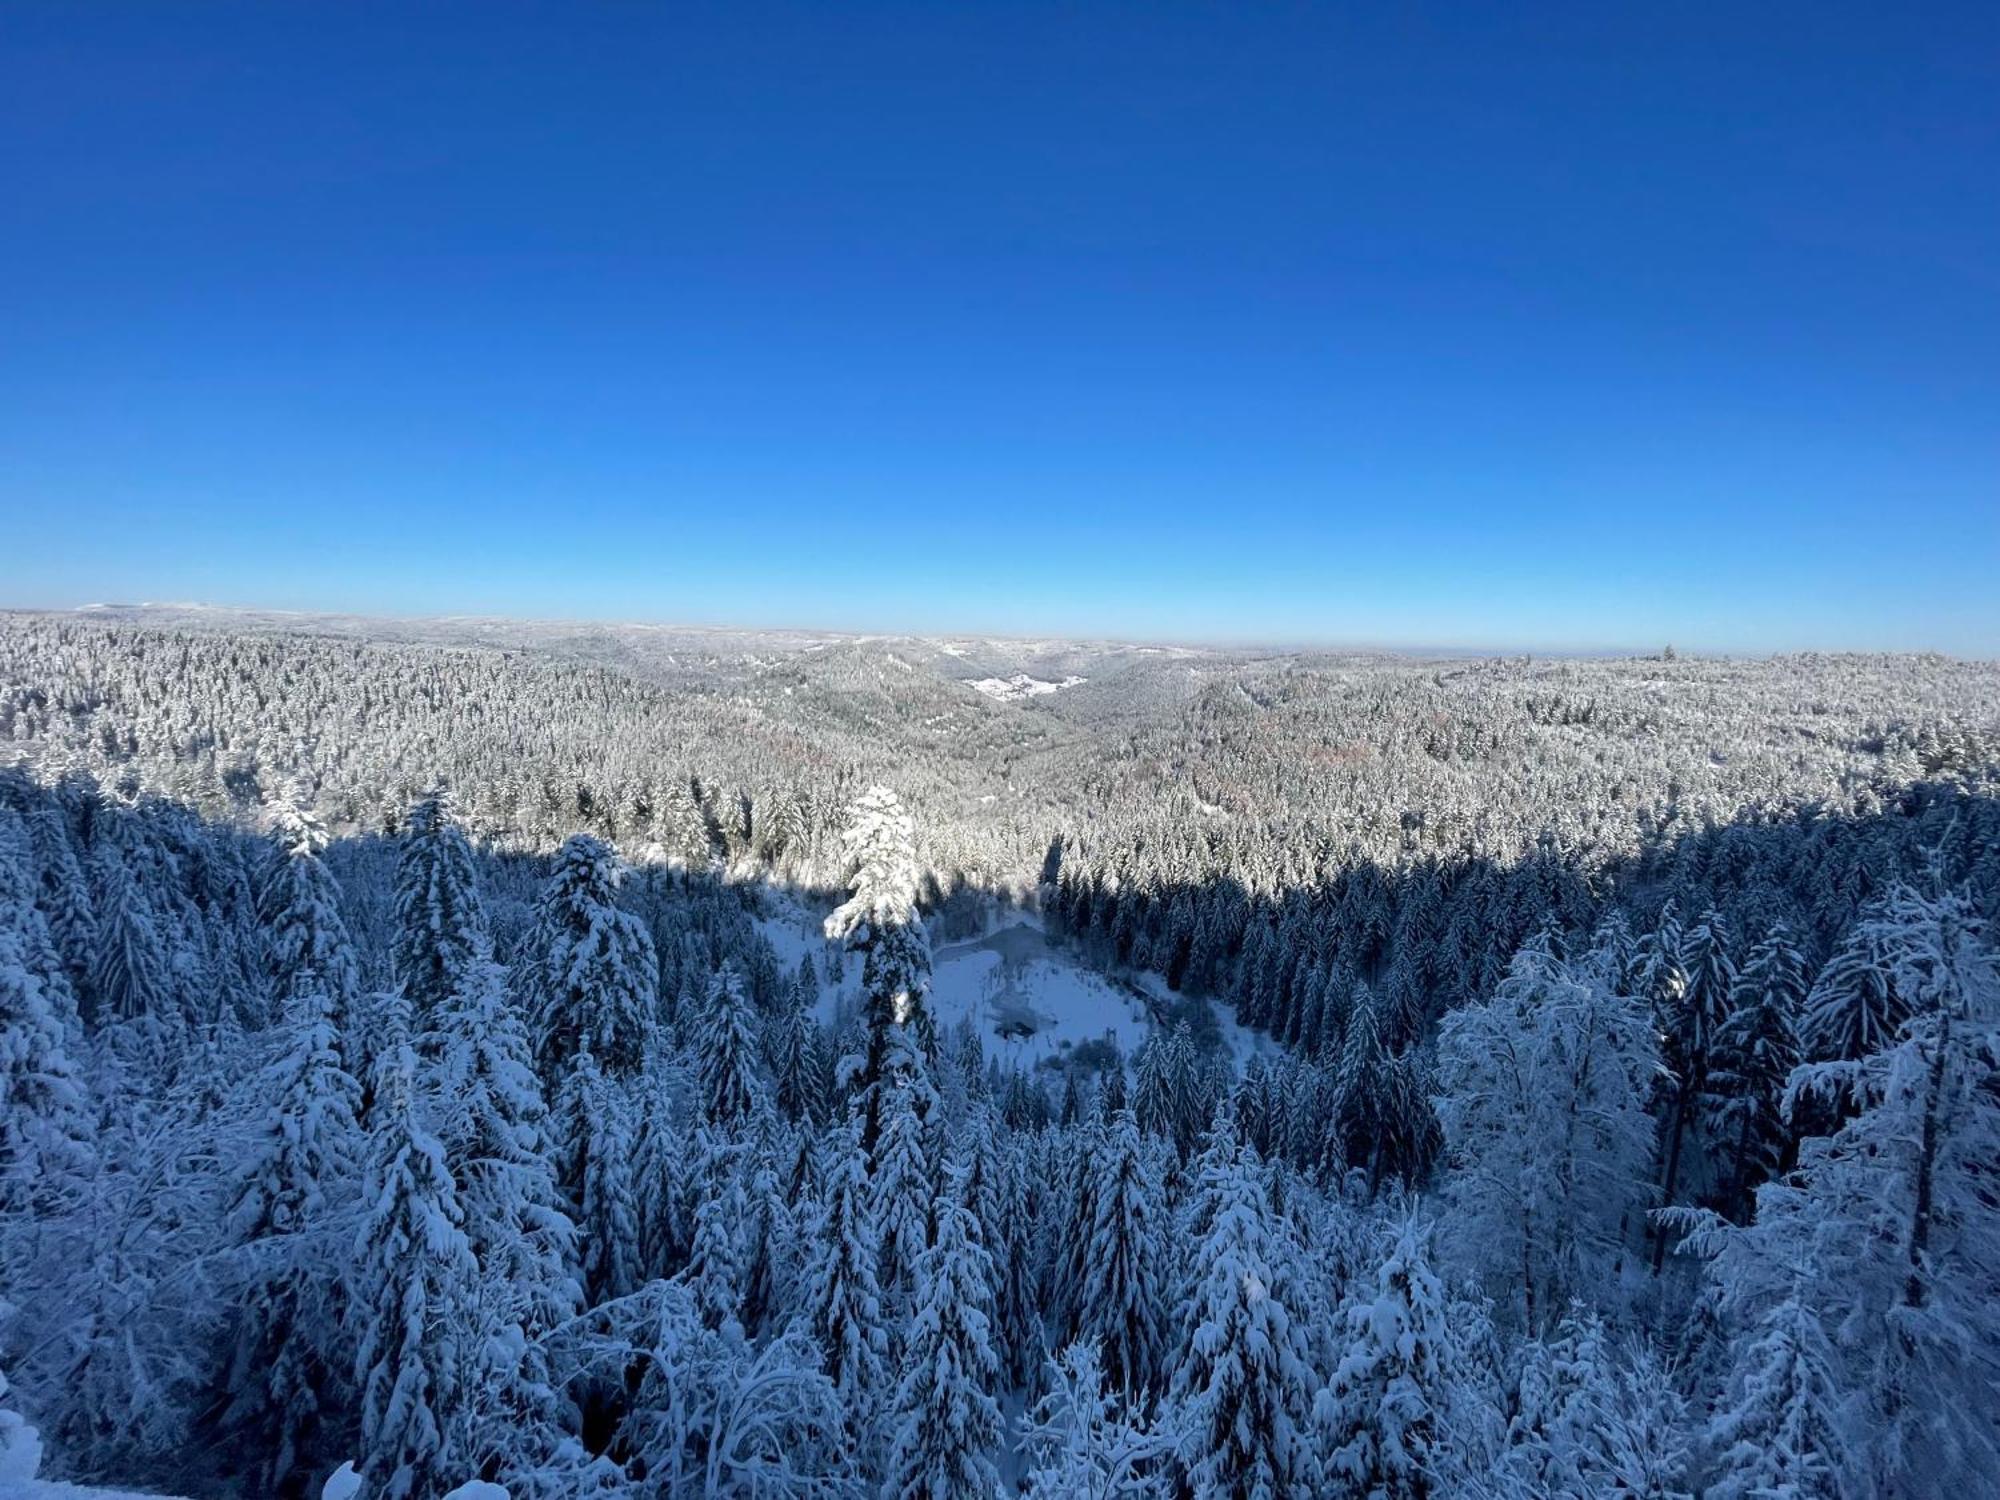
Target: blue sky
(1471,325)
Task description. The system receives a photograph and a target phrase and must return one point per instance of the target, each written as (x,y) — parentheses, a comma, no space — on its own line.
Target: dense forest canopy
(1562,1076)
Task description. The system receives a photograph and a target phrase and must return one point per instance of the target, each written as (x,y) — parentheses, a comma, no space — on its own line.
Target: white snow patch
(1021,685)
(1029,1000)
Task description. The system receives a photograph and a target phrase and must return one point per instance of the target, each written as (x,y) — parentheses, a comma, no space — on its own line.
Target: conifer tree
(947,1422)
(298,1159)
(45,1121)
(495,1130)
(441,928)
(719,1261)
(416,1294)
(300,909)
(1691,1023)
(1243,1389)
(798,1063)
(592,976)
(843,1301)
(1384,1418)
(1778,1431)
(1755,1053)
(880,921)
(1123,1299)
(904,1185)
(725,1054)
(598,1152)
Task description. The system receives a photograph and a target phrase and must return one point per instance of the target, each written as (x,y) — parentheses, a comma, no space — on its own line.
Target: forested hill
(1551,1078)
(1270,770)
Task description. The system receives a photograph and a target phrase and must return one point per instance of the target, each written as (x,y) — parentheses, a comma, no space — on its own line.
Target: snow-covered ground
(1021,685)
(1030,1001)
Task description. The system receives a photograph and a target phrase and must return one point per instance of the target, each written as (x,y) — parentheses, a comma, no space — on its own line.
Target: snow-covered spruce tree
(591,978)
(64,894)
(45,1116)
(1072,1197)
(1123,1299)
(1588,1420)
(416,1296)
(1153,1105)
(1020,1335)
(1854,1009)
(880,920)
(773,1247)
(798,1063)
(904,1184)
(304,933)
(1543,1094)
(494,1127)
(1755,1053)
(725,1053)
(719,1261)
(299,1159)
(1242,1394)
(842,1300)
(1778,1430)
(1690,1024)
(1086,1443)
(441,928)
(595,1138)
(947,1424)
(1384,1420)
(1894,1213)
(131,986)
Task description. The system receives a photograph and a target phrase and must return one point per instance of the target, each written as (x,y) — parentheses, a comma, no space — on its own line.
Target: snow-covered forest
(485,1053)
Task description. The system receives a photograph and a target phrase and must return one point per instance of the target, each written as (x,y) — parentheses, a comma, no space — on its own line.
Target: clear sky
(1464,324)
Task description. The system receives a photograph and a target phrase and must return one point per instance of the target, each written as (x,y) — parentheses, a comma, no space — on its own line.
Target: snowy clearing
(1031,1001)
(1021,685)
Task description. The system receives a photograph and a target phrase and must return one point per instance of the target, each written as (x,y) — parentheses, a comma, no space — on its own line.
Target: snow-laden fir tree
(904,1184)
(591,977)
(1384,1419)
(798,1062)
(727,1084)
(719,1261)
(494,1126)
(1123,1299)
(1084,1442)
(880,920)
(300,909)
(295,1179)
(1020,1336)
(842,1299)
(1854,1009)
(1778,1429)
(441,928)
(597,1138)
(947,1423)
(1543,1091)
(1242,1394)
(45,1116)
(1755,1052)
(131,983)
(1894,1212)
(415,1294)
(1690,1023)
